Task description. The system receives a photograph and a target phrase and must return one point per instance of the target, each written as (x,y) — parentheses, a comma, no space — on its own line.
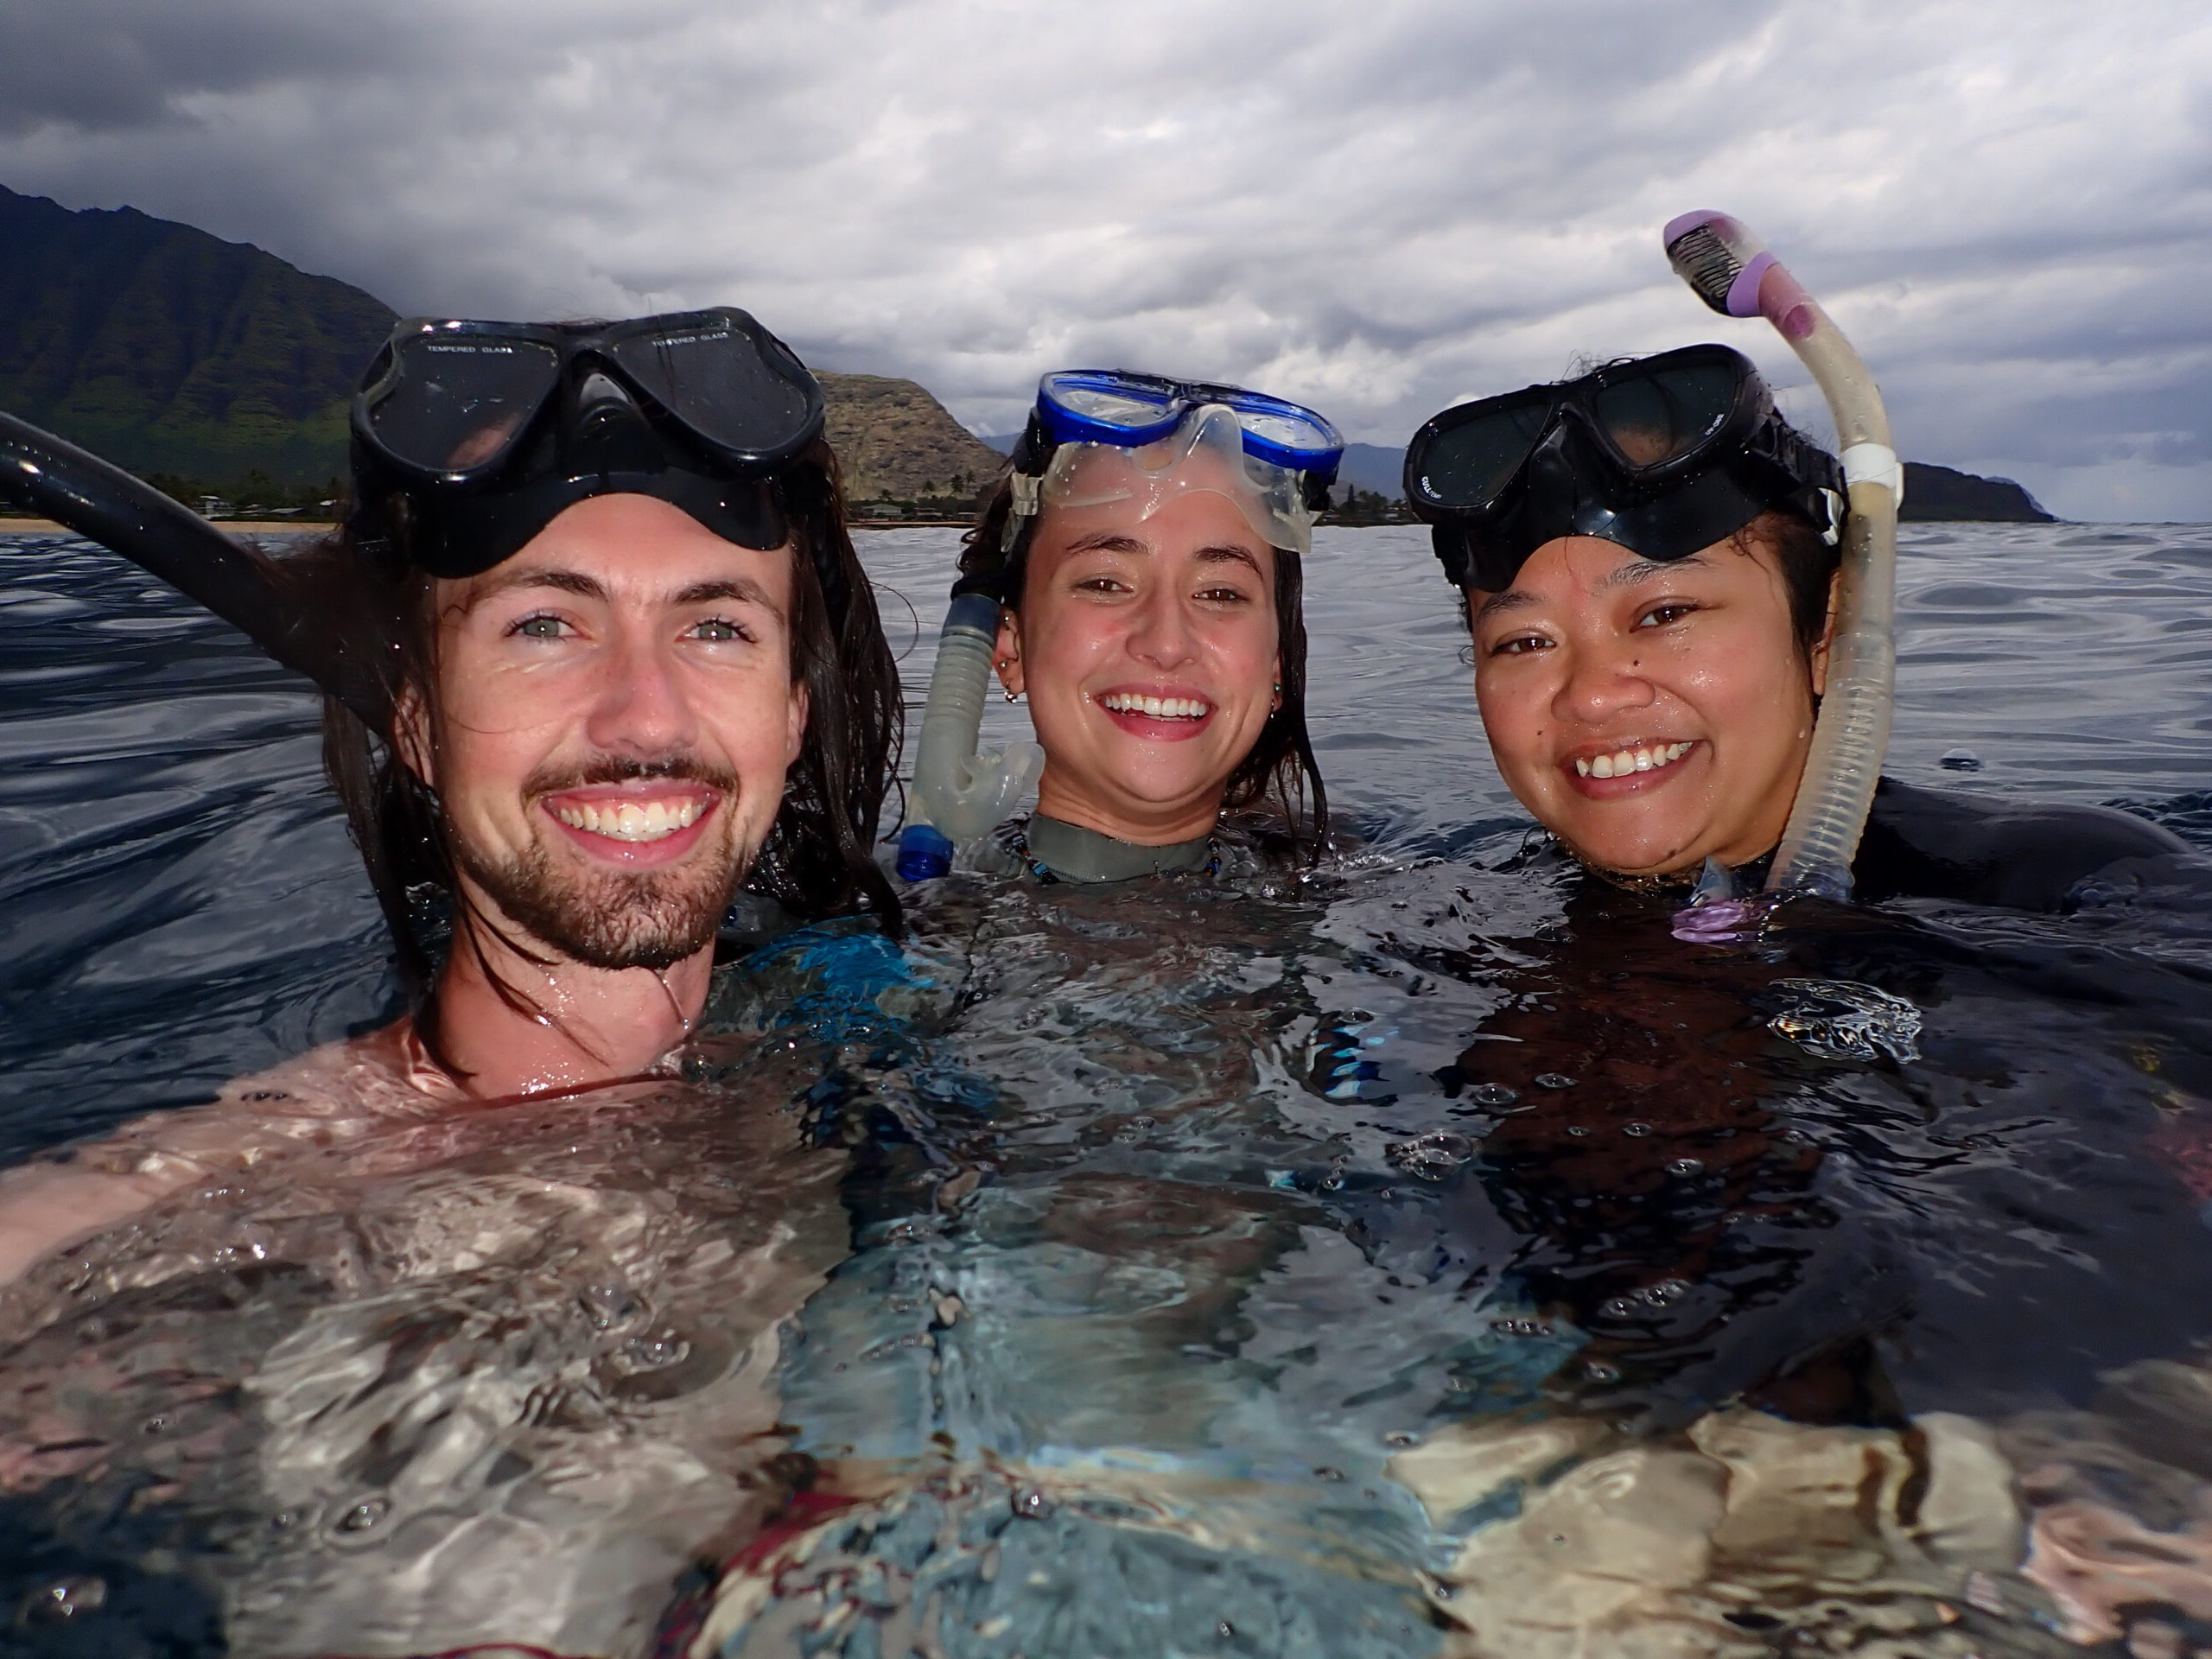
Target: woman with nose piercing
(1143,558)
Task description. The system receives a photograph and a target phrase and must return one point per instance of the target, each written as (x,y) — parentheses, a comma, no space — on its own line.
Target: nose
(642,706)
(1161,634)
(1602,682)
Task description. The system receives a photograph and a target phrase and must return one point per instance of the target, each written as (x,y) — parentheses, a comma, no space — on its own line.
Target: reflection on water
(1436,1257)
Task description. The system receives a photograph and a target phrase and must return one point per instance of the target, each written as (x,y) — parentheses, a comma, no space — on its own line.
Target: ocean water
(1435,1255)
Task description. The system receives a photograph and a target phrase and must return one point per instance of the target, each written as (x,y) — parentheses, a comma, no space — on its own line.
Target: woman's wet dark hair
(1809,562)
(818,860)
(1281,772)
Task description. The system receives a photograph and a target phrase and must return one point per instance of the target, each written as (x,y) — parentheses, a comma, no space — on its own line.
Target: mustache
(551,778)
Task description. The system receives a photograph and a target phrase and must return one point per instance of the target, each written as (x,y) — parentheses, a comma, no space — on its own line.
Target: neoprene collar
(1075,854)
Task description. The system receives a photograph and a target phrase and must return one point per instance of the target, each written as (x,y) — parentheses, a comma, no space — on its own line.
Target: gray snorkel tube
(1730,269)
(959,792)
(245,588)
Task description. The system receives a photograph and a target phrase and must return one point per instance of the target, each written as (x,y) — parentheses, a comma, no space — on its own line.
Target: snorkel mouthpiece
(1732,271)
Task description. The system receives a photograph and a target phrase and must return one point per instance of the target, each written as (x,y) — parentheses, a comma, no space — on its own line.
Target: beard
(616,919)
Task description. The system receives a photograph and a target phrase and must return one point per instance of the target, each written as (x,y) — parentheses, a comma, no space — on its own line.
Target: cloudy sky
(1379,206)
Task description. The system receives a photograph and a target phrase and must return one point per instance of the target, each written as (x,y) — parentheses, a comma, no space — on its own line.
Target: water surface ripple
(1437,1255)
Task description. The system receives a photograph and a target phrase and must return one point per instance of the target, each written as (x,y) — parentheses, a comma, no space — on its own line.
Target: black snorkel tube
(104,503)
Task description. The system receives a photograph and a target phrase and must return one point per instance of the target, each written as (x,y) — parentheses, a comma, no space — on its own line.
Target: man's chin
(609,918)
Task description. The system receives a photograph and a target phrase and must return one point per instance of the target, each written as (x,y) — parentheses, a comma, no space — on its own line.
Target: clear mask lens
(1204,454)
(1112,407)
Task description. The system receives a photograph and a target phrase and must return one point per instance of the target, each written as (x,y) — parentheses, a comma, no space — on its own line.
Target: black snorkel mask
(1663,456)
(485,432)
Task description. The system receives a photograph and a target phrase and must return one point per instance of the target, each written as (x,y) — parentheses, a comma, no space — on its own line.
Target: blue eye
(719,630)
(538,627)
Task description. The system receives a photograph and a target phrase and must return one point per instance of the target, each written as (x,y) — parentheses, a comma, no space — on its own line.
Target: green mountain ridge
(171,352)
(166,349)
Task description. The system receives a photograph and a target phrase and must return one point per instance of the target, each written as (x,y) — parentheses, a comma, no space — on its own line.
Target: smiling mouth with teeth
(1133,702)
(629,821)
(1621,762)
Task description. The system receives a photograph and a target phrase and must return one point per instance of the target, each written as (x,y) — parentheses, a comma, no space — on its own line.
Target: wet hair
(375,606)
(1279,772)
(1808,564)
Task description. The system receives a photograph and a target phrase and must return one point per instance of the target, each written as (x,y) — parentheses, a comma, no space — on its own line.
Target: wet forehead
(1586,569)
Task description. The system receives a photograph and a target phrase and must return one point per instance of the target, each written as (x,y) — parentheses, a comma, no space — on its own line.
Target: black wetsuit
(1983,849)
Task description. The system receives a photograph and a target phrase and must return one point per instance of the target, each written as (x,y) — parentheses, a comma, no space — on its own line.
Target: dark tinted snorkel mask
(1664,455)
(490,429)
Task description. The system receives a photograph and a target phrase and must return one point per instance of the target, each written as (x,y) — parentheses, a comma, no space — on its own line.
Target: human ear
(1007,655)
(1827,637)
(795,727)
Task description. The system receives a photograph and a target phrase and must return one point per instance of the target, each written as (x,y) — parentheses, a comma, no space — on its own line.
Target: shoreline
(316,526)
(238,526)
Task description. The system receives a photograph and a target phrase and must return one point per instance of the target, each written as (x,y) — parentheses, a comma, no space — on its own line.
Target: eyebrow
(1107,541)
(1229,553)
(1634,573)
(742,589)
(1112,541)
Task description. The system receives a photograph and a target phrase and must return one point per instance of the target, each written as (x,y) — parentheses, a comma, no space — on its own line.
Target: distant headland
(223,374)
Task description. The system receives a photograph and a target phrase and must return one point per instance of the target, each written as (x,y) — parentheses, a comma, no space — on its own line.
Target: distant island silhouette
(220,370)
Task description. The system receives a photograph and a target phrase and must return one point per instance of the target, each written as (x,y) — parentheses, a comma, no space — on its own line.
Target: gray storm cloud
(1379,208)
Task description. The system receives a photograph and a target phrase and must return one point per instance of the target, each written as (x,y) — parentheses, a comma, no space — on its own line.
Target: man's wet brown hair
(818,861)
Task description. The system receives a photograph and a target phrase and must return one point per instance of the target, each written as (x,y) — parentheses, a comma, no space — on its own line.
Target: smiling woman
(1648,558)
(1145,551)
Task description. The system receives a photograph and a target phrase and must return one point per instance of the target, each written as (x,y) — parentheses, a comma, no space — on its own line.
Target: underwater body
(1439,1255)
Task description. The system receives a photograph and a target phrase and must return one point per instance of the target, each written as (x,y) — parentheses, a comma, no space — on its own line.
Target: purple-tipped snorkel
(1734,274)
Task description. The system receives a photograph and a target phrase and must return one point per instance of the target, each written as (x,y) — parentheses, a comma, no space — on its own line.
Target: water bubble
(1031,1505)
(1841,1020)
(1636,1129)
(1686,1166)
(1598,1371)
(1492,1094)
(607,1305)
(364,1514)
(1577,1130)
(1516,1328)
(1400,1439)
(655,1353)
(1324,1472)
(66,1598)
(1552,1080)
(1430,1156)
(1959,760)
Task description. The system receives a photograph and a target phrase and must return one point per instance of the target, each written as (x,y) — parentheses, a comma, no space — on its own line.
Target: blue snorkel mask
(1103,437)
(1095,438)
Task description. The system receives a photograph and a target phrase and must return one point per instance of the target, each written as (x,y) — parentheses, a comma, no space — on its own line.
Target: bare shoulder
(324,1097)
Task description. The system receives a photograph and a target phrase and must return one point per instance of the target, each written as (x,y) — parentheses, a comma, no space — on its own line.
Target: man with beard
(613,659)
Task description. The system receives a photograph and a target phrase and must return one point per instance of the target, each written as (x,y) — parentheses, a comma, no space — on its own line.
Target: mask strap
(1832,535)
(1028,492)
